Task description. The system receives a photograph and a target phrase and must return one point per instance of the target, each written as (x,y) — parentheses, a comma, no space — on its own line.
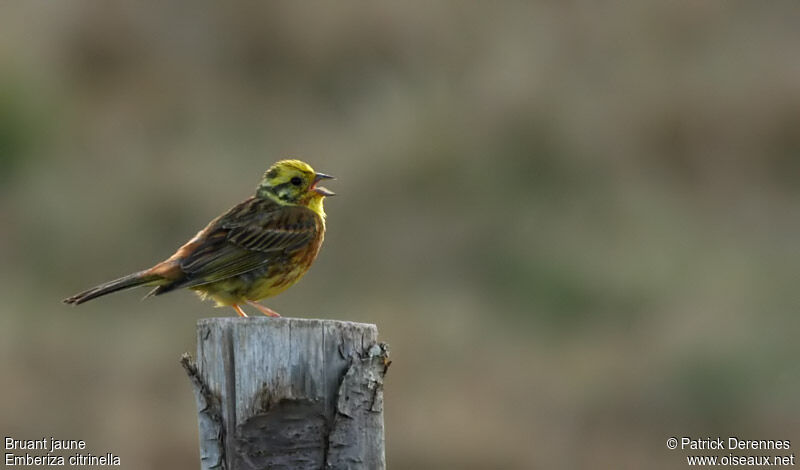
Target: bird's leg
(265,310)
(239,310)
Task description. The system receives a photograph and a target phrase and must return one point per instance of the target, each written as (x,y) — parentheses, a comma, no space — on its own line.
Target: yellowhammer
(256,250)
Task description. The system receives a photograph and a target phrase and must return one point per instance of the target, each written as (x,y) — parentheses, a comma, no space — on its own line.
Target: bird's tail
(142,278)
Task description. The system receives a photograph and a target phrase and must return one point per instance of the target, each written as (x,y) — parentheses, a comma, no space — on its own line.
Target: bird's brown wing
(248,237)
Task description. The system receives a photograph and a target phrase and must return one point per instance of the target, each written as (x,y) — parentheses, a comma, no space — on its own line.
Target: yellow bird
(257,249)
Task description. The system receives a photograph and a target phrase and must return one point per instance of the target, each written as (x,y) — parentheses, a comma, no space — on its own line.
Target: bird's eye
(296,181)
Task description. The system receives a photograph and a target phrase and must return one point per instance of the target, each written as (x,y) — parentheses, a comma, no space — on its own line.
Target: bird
(257,249)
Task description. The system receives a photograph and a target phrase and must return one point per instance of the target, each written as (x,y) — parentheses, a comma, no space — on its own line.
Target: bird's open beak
(320,190)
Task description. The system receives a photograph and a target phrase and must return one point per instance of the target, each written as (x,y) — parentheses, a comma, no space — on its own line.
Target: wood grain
(288,393)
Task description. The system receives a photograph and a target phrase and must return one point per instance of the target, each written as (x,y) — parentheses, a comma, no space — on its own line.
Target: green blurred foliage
(23,127)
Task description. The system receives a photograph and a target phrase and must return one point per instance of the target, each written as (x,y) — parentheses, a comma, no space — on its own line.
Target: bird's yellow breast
(266,282)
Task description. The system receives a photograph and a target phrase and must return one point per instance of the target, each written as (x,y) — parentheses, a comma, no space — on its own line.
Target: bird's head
(292,182)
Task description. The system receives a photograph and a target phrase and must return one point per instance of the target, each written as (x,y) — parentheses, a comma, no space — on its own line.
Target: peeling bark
(209,419)
(359,409)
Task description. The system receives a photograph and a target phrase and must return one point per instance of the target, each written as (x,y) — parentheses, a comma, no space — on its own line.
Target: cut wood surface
(288,393)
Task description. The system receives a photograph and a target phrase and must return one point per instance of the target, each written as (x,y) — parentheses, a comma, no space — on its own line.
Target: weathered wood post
(288,393)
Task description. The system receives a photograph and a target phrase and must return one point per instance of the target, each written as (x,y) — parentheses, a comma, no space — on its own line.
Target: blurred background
(576,224)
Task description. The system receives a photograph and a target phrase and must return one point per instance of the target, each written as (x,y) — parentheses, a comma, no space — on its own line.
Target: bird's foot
(239,310)
(265,310)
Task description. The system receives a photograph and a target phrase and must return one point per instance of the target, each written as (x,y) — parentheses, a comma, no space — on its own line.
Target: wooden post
(288,393)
